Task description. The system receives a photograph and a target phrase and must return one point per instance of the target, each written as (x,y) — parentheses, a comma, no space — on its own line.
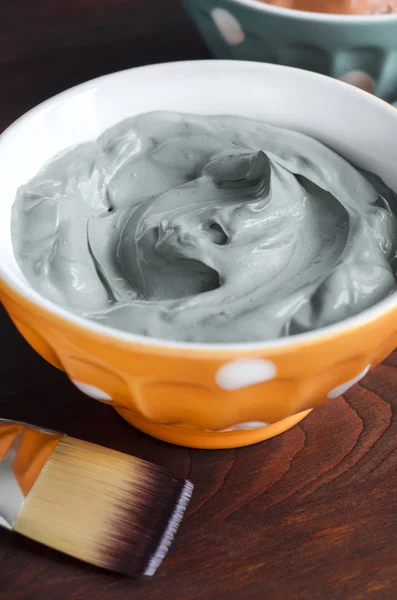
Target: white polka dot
(341,389)
(228,26)
(359,79)
(245,426)
(91,390)
(244,372)
(250,425)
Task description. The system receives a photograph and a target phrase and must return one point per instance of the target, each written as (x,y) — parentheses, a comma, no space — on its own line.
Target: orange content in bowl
(342,7)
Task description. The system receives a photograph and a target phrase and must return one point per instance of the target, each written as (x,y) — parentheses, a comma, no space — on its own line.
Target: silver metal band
(12,495)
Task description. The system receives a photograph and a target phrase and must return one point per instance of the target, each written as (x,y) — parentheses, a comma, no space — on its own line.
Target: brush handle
(24,450)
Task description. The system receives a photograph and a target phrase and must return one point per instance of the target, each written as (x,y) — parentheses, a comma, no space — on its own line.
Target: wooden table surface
(311,514)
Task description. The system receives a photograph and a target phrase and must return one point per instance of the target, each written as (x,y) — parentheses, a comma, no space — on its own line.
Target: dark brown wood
(48,46)
(311,514)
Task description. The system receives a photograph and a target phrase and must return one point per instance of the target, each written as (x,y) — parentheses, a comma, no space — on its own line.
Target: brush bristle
(104,507)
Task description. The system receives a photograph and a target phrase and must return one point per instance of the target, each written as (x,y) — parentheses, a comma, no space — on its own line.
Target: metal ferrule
(24,450)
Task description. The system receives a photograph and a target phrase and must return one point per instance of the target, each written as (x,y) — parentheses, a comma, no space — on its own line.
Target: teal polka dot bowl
(361,50)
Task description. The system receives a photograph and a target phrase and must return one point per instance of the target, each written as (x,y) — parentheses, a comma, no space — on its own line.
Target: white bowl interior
(314,16)
(354,123)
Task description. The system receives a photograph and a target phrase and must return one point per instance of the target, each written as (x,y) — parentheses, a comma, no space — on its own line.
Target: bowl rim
(23,289)
(314,16)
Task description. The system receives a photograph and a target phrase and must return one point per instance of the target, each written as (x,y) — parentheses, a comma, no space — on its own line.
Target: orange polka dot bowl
(201,395)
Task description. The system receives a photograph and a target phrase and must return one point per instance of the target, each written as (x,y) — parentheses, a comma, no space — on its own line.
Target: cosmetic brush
(104,507)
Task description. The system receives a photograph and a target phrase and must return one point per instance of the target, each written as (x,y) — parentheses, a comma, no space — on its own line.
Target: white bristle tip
(170,531)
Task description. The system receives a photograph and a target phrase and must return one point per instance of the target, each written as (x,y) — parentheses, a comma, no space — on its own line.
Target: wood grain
(311,514)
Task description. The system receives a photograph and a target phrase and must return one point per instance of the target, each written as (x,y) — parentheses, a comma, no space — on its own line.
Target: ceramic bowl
(198,395)
(359,49)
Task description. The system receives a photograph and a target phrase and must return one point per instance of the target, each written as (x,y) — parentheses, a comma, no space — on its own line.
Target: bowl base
(210,440)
